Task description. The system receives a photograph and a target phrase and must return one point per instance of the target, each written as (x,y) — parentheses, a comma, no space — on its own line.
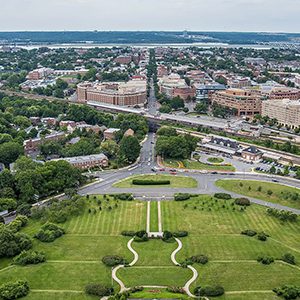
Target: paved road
(152,109)
(206,182)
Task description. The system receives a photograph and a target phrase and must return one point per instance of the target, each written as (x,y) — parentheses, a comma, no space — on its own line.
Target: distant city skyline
(162,15)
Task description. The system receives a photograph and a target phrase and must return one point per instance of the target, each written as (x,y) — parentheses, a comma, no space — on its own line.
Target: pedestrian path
(186,287)
(117,268)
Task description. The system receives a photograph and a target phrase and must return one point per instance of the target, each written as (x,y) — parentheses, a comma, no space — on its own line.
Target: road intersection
(206,181)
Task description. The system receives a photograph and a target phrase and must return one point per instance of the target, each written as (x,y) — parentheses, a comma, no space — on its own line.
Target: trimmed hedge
(262,236)
(141,236)
(179,234)
(265,259)
(212,291)
(113,260)
(128,233)
(249,232)
(150,182)
(242,201)
(123,197)
(223,196)
(98,290)
(175,290)
(182,197)
(288,258)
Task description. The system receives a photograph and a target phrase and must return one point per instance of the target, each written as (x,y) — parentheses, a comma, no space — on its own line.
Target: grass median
(175,182)
(266,191)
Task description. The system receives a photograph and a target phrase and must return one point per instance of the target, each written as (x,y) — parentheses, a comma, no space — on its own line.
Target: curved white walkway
(173,255)
(116,269)
(136,256)
(195,273)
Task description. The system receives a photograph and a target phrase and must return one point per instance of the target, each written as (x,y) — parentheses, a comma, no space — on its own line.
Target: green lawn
(214,230)
(151,293)
(50,295)
(214,227)
(196,165)
(267,191)
(74,260)
(247,276)
(215,160)
(161,276)
(153,217)
(154,253)
(176,181)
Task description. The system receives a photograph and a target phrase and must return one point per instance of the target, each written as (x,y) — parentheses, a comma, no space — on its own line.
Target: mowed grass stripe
(153,217)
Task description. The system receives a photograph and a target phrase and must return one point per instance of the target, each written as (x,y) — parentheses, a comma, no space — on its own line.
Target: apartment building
(173,86)
(129,93)
(280,93)
(32,145)
(246,103)
(87,162)
(39,74)
(286,111)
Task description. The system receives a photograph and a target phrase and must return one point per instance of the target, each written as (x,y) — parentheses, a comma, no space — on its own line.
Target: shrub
(98,290)
(136,289)
(141,236)
(168,236)
(150,182)
(128,233)
(223,196)
(29,257)
(179,234)
(212,291)
(49,232)
(265,259)
(12,243)
(288,292)
(123,197)
(14,290)
(262,236)
(113,260)
(249,232)
(182,197)
(175,290)
(242,201)
(198,259)
(289,258)
(282,215)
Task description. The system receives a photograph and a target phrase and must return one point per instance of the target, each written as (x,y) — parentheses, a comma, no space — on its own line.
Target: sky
(197,15)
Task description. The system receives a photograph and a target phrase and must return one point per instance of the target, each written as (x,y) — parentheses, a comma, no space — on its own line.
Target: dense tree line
(33,180)
(175,146)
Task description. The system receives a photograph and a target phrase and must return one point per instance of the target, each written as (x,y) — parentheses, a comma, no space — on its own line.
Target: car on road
(162,169)
(274,180)
(173,173)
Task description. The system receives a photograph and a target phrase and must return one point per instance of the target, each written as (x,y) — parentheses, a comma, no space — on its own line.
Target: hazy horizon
(156,15)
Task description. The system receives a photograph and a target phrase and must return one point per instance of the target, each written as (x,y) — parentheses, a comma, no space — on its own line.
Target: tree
(110,148)
(165,109)
(130,148)
(201,107)
(14,290)
(7,204)
(167,131)
(9,152)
